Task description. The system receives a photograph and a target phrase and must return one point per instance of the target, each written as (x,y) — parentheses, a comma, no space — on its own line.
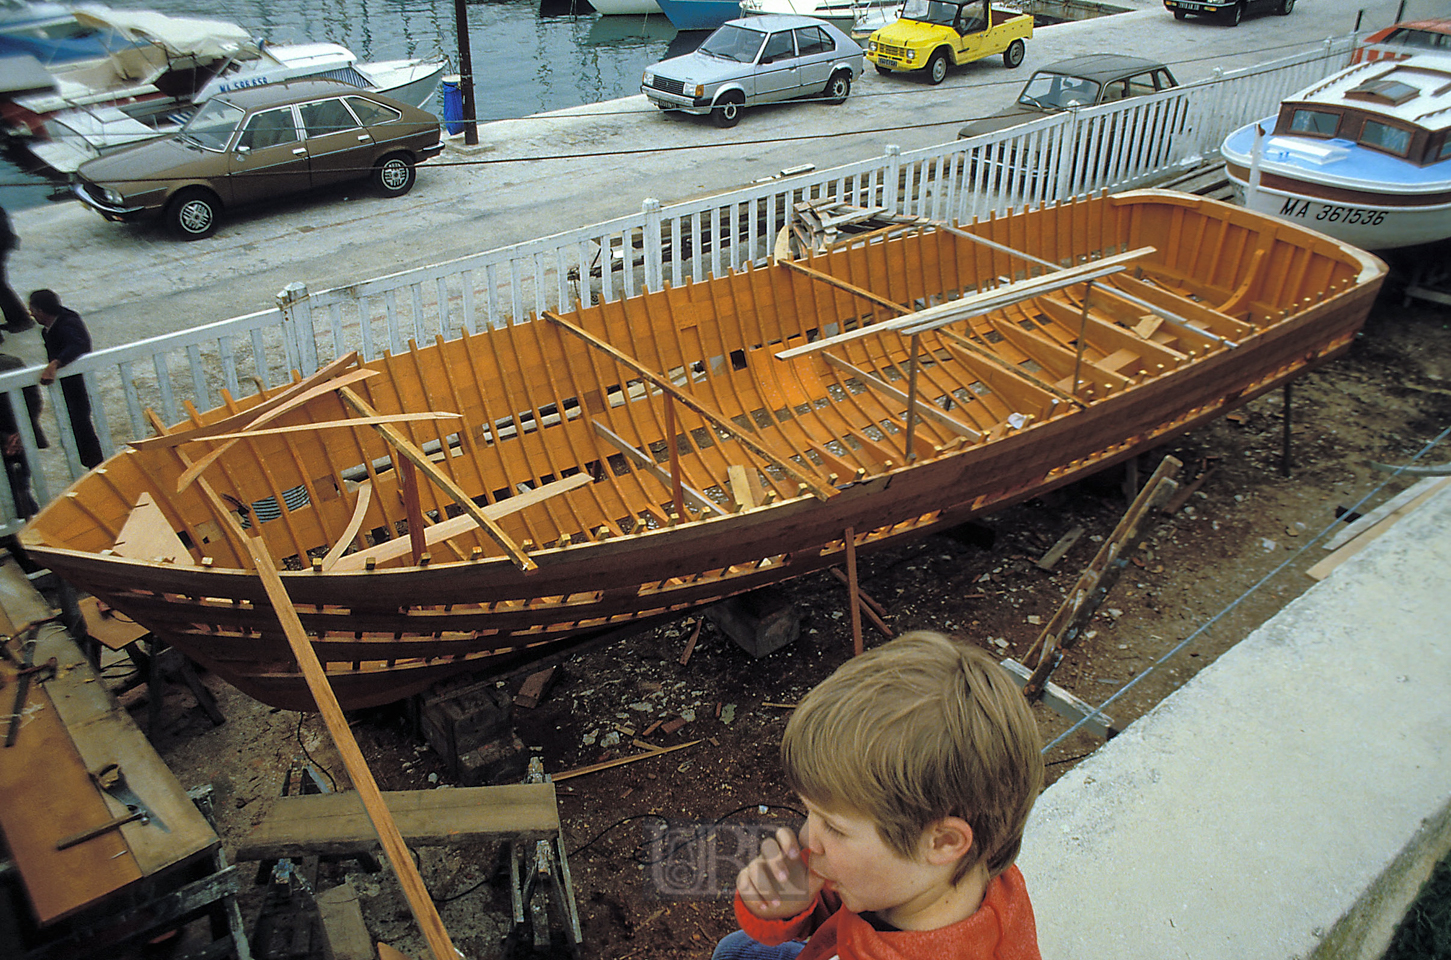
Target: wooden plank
(464,522)
(1056,552)
(46,794)
(147,535)
(114,631)
(1326,566)
(335,823)
(1372,517)
(1063,703)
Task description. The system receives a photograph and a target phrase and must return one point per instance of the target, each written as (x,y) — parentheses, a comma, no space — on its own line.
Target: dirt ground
(1211,573)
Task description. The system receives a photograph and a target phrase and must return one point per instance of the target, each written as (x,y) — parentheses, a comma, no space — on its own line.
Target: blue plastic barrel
(453,104)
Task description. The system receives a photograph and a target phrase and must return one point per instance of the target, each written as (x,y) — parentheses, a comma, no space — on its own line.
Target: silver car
(756,60)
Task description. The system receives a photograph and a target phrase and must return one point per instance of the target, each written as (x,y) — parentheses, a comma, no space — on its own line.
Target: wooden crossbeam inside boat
(923,408)
(455,526)
(642,459)
(977,304)
(419,459)
(817,488)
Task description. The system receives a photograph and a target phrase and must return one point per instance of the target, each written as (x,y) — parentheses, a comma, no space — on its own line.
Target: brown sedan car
(257,144)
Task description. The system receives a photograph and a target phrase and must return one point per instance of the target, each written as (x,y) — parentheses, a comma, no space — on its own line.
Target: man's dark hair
(47,301)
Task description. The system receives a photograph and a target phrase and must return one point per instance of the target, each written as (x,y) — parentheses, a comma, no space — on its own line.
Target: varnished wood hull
(828,445)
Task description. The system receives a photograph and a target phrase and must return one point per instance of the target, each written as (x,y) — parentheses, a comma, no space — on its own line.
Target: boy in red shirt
(918,763)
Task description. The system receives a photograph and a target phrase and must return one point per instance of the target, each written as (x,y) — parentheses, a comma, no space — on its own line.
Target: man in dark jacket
(17,467)
(16,319)
(67,340)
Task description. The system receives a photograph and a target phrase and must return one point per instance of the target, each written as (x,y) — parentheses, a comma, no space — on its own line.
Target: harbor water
(527,58)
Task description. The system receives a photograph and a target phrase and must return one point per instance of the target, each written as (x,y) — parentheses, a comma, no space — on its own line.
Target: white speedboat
(150,89)
(845,15)
(612,8)
(1364,155)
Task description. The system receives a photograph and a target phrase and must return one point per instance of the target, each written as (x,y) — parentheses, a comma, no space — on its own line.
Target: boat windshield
(731,42)
(930,11)
(1056,91)
(213,124)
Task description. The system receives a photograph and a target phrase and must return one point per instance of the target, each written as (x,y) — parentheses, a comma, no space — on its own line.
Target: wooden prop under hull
(653,454)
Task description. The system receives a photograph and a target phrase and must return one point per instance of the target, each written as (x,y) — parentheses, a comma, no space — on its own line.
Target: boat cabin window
(372,113)
(1383,136)
(1391,92)
(811,40)
(1408,37)
(1318,123)
(1442,153)
(323,117)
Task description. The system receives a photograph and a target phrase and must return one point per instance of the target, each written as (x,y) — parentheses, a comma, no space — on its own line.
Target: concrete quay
(1289,800)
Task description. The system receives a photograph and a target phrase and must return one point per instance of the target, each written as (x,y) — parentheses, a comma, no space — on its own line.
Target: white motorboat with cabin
(1363,156)
(151,89)
(610,8)
(853,17)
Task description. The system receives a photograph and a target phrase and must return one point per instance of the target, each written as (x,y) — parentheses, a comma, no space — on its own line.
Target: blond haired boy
(918,763)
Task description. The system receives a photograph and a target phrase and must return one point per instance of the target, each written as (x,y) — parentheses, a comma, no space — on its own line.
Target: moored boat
(1364,155)
(609,8)
(625,461)
(699,14)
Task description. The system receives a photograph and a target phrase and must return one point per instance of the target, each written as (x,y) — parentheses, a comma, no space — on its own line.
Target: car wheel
(1180,15)
(394,175)
(193,214)
(727,113)
(883,70)
(838,88)
(1234,14)
(1285,7)
(1013,56)
(937,67)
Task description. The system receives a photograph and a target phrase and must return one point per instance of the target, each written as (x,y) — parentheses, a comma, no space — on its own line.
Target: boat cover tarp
(178,36)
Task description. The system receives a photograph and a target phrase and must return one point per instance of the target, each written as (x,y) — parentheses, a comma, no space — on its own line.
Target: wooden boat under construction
(505,493)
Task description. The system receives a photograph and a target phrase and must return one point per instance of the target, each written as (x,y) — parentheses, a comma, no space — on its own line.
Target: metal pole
(1285,450)
(465,71)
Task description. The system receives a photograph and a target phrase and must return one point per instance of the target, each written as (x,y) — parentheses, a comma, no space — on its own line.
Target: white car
(756,60)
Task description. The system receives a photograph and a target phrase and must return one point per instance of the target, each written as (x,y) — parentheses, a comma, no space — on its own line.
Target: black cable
(309,756)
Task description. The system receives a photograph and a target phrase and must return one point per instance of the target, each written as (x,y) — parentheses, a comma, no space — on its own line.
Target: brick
(760,622)
(536,688)
(503,761)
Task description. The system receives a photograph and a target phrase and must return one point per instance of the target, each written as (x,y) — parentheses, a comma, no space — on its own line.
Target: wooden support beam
(643,460)
(464,522)
(313,674)
(677,494)
(336,425)
(408,478)
(1065,704)
(820,490)
(988,355)
(419,459)
(857,646)
(929,410)
(977,304)
(852,289)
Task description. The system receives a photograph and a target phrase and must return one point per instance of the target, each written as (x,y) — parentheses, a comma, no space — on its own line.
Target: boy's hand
(776,885)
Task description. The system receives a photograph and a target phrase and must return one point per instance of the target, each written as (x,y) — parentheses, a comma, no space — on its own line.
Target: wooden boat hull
(386,632)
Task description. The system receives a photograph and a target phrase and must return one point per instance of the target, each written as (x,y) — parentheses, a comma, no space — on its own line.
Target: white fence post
(654,258)
(893,175)
(296,309)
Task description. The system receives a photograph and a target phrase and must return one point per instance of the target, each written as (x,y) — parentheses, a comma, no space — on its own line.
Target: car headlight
(112,196)
(649,78)
(871,46)
(697,91)
(911,54)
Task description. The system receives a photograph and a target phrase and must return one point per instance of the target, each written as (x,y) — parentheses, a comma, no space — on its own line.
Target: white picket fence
(1113,146)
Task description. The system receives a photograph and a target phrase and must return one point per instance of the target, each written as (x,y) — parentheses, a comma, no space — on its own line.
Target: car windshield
(731,42)
(213,124)
(930,11)
(1056,91)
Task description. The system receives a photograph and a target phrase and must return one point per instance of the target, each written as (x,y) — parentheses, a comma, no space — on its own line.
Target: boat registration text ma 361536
(1331,212)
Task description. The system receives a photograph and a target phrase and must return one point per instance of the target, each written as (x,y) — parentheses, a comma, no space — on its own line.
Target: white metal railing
(1113,146)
